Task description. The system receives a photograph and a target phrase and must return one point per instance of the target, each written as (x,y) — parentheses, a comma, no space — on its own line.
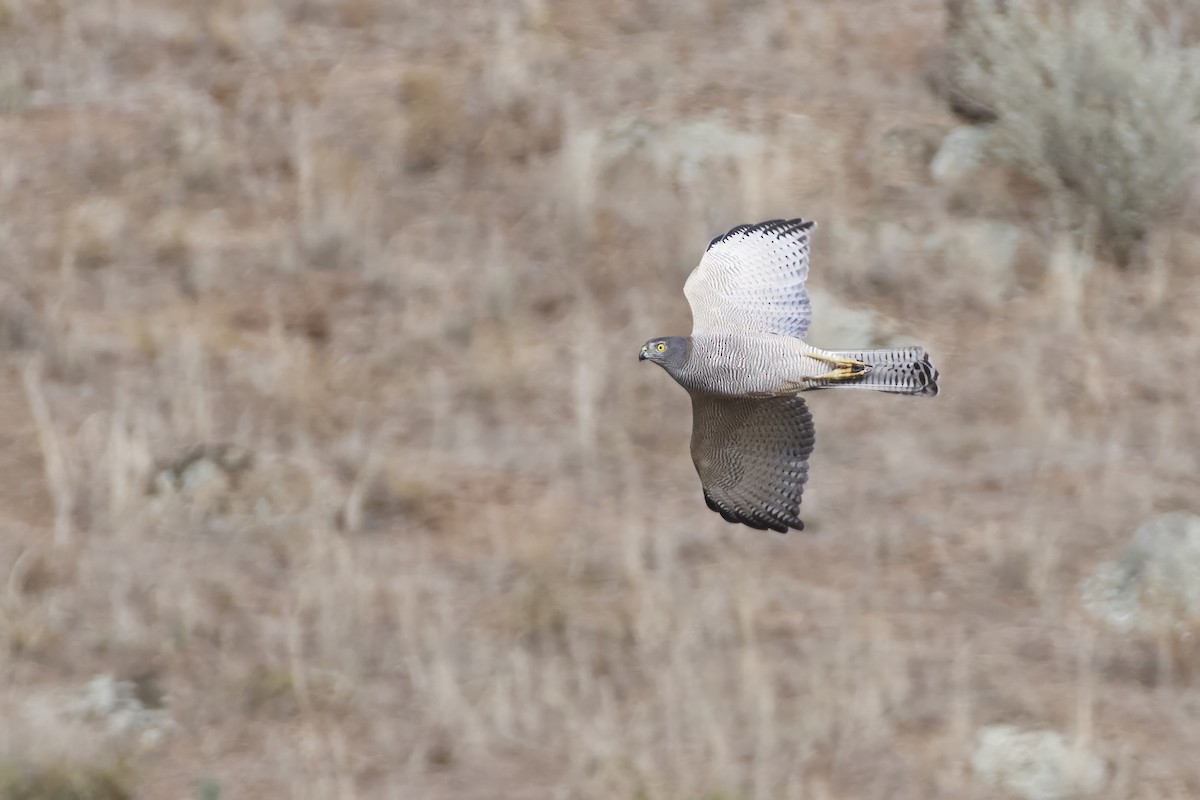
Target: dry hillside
(328,470)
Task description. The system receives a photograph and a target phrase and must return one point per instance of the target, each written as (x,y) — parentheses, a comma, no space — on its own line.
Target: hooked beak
(642,355)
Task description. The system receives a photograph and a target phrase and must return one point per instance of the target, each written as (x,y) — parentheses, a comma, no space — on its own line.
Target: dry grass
(64,782)
(323,426)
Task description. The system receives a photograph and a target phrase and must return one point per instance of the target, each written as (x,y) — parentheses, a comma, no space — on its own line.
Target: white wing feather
(751,280)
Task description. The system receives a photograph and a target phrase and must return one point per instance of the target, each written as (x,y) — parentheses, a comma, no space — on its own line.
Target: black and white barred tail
(902,370)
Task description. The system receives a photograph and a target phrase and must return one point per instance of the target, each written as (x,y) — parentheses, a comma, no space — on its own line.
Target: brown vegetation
(323,431)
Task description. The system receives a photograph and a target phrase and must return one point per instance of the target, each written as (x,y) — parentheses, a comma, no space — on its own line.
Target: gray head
(670,352)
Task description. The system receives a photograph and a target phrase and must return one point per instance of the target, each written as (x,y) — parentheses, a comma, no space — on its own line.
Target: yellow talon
(847,368)
(841,362)
(842,374)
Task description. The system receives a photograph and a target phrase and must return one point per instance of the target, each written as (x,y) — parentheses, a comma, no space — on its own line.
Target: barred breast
(738,365)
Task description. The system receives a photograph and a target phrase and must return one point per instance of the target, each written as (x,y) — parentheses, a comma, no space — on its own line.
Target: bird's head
(668,352)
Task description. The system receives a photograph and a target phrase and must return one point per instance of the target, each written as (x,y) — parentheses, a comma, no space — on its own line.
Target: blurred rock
(204,474)
(123,710)
(836,324)
(684,149)
(991,251)
(961,154)
(225,479)
(1035,765)
(971,263)
(638,170)
(1155,585)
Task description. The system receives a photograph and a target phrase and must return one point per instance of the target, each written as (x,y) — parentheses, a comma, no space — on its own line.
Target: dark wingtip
(757,523)
(780,227)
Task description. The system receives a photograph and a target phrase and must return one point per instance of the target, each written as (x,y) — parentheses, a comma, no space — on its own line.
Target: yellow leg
(846,367)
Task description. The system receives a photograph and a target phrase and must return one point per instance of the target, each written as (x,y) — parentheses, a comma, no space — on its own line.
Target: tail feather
(902,370)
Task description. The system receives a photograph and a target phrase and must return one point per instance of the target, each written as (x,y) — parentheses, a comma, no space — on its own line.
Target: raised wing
(752,458)
(751,280)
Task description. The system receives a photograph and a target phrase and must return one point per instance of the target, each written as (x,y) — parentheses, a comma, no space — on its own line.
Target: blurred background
(328,470)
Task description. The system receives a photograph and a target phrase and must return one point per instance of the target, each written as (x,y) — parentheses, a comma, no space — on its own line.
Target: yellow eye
(660,347)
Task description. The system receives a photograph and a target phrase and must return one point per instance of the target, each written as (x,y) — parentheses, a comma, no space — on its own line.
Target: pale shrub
(1094,100)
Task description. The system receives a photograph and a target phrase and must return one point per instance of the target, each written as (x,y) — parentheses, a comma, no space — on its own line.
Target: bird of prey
(746,364)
